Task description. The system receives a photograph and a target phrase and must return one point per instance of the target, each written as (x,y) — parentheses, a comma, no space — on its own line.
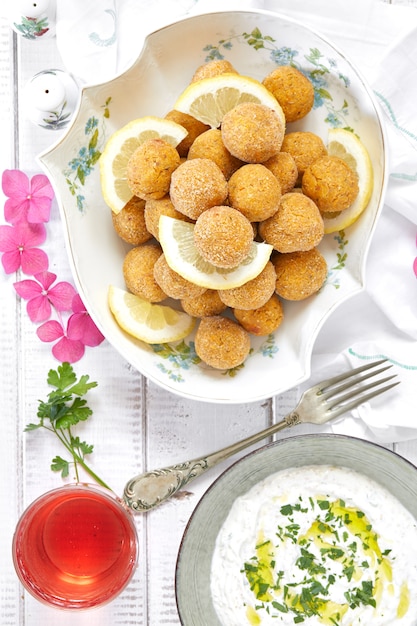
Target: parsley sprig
(63,409)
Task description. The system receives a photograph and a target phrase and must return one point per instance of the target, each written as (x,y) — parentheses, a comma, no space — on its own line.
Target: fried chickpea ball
(154,208)
(171,283)
(197,185)
(331,183)
(209,145)
(299,274)
(130,222)
(264,320)
(252,294)
(293,90)
(213,68)
(254,191)
(297,225)
(206,305)
(149,169)
(193,127)
(305,148)
(283,166)
(252,132)
(223,236)
(138,272)
(221,342)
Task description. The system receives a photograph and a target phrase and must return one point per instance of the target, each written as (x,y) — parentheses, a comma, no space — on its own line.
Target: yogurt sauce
(318,545)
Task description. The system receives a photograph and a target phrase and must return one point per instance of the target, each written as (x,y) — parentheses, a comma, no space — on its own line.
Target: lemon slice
(177,240)
(209,99)
(120,147)
(345,145)
(151,323)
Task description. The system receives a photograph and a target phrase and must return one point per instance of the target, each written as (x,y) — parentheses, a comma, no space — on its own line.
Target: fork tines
(357,393)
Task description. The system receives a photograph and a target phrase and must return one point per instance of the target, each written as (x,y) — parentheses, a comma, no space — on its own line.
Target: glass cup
(75,547)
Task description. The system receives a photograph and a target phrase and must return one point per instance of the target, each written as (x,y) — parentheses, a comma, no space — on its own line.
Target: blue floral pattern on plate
(276,361)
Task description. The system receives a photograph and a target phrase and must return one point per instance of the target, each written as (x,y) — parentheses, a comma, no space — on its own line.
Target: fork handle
(149,490)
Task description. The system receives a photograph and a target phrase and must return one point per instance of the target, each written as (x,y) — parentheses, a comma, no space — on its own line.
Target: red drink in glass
(75,547)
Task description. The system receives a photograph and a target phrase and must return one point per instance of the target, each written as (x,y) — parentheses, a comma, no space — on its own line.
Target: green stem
(78,460)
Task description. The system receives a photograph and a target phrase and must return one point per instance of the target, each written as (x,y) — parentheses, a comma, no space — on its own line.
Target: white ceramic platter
(255,43)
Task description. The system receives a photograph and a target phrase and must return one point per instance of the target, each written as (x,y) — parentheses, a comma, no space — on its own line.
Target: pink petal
(7,238)
(30,235)
(93,337)
(15,184)
(82,327)
(50,331)
(11,261)
(415,267)
(34,260)
(16,210)
(46,279)
(39,309)
(28,289)
(41,187)
(62,296)
(68,350)
(39,210)
(77,304)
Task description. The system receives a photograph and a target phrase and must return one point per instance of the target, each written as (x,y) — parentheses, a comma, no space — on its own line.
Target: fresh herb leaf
(63,409)
(60,465)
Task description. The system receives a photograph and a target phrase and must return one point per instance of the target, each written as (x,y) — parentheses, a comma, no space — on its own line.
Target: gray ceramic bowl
(390,470)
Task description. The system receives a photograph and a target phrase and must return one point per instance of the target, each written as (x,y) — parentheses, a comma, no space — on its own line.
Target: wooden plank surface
(158,428)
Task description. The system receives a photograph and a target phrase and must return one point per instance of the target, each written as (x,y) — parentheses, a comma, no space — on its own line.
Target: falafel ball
(138,267)
(264,320)
(209,145)
(154,208)
(253,132)
(197,185)
(223,236)
(299,274)
(193,127)
(221,342)
(305,147)
(293,90)
(130,222)
(214,67)
(254,191)
(284,167)
(331,183)
(171,283)
(252,294)
(297,225)
(149,169)
(206,305)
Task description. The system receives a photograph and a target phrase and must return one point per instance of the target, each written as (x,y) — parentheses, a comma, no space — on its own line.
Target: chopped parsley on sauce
(339,549)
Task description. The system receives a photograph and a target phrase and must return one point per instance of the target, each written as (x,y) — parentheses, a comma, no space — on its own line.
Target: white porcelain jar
(33,19)
(50,99)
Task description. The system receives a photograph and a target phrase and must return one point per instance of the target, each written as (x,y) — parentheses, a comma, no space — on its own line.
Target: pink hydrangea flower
(81,327)
(28,200)
(40,294)
(66,349)
(18,244)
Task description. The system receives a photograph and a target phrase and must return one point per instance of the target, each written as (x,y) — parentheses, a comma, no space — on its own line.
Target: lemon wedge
(177,240)
(119,148)
(347,146)
(209,99)
(151,323)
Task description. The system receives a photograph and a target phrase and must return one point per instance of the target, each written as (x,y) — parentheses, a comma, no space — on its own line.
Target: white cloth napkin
(382,40)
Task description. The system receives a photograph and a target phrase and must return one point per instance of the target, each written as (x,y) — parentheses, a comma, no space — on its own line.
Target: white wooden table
(157,427)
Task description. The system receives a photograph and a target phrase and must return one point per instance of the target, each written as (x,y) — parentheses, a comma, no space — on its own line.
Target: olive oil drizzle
(340,545)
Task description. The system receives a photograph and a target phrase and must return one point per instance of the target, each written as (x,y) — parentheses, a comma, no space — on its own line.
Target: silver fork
(318,404)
